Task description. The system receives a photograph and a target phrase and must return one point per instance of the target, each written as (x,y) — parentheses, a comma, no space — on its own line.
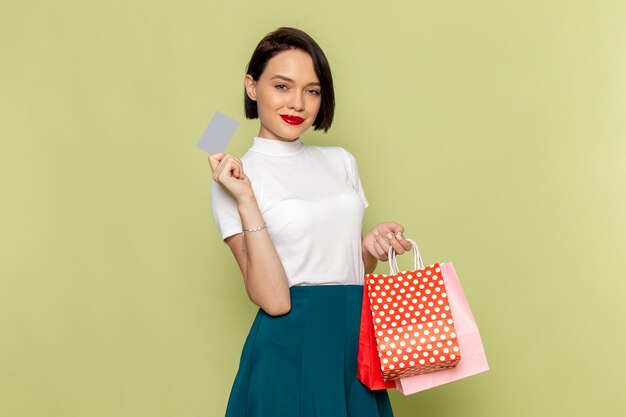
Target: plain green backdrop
(492,130)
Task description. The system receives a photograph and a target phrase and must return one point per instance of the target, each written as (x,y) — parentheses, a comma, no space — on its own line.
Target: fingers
(214,160)
(405,243)
(382,254)
(394,227)
(228,166)
(396,241)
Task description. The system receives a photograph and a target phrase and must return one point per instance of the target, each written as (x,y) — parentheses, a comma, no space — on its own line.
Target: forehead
(293,63)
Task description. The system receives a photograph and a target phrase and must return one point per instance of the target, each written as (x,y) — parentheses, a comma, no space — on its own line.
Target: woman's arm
(263,272)
(368,260)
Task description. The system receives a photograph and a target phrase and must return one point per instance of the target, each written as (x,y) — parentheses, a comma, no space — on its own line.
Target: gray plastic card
(218,133)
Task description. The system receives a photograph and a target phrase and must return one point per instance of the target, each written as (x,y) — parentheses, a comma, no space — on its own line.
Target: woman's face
(287,87)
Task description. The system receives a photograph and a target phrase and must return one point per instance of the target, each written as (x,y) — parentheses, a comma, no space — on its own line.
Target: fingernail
(376,233)
(389,236)
(399,235)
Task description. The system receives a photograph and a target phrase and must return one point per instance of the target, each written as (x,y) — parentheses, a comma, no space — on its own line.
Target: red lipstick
(292,120)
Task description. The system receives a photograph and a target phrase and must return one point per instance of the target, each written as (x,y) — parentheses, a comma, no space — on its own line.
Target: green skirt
(304,363)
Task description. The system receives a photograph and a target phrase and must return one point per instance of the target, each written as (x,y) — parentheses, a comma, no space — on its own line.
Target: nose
(297,101)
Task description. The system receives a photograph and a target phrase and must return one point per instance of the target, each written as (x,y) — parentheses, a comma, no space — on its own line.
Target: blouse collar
(276,147)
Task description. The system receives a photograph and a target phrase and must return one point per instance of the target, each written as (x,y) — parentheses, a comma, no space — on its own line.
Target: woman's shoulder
(340,154)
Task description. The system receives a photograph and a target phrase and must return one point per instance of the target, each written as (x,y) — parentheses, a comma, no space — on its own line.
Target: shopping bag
(413,324)
(368,369)
(474,359)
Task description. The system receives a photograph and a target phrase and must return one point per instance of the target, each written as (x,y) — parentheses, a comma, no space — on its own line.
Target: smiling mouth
(292,120)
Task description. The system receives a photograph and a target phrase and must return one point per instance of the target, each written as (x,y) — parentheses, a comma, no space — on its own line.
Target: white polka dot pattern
(412,322)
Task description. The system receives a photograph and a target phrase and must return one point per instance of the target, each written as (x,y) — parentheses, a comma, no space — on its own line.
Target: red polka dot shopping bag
(417,330)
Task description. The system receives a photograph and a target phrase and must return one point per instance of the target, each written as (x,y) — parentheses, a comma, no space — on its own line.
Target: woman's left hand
(382,236)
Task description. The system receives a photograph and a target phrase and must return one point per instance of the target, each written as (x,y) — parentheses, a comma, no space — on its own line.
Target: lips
(292,120)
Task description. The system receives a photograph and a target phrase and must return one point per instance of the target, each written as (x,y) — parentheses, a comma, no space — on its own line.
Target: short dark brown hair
(282,39)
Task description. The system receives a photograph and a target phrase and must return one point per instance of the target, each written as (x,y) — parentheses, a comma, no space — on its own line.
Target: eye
(278,86)
(314,92)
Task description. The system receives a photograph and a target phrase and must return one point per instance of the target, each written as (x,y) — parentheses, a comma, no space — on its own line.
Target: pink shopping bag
(473,359)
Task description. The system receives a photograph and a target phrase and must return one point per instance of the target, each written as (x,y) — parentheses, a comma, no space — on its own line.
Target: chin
(292,135)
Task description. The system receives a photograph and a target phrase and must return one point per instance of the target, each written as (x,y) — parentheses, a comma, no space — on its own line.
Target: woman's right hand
(228,171)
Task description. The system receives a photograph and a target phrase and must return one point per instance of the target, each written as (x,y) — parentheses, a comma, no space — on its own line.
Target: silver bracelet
(256,229)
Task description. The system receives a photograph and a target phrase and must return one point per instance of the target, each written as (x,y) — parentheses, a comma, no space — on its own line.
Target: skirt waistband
(325,292)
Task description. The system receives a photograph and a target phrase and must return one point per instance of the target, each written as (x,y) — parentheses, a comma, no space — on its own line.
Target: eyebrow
(289,79)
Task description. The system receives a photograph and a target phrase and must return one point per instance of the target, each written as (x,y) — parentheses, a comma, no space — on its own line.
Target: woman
(291,214)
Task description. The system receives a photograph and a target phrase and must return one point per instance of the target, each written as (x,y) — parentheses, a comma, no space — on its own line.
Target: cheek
(267,105)
(268,99)
(271,96)
(315,105)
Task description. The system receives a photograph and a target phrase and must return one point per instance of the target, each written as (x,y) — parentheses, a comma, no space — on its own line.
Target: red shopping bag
(412,323)
(369,372)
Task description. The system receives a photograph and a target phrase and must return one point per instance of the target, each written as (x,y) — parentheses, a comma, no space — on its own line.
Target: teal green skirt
(304,363)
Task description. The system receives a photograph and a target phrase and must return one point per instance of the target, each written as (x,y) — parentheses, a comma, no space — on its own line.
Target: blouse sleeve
(354,175)
(224,210)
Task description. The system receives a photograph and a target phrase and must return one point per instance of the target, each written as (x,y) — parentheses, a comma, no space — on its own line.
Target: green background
(493,131)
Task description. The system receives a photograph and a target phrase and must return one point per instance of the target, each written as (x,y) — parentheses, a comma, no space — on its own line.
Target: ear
(250,85)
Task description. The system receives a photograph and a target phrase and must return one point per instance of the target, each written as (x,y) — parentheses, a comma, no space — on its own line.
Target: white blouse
(312,201)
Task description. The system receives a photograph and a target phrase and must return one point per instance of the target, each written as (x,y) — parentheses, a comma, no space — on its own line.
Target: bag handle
(417,258)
